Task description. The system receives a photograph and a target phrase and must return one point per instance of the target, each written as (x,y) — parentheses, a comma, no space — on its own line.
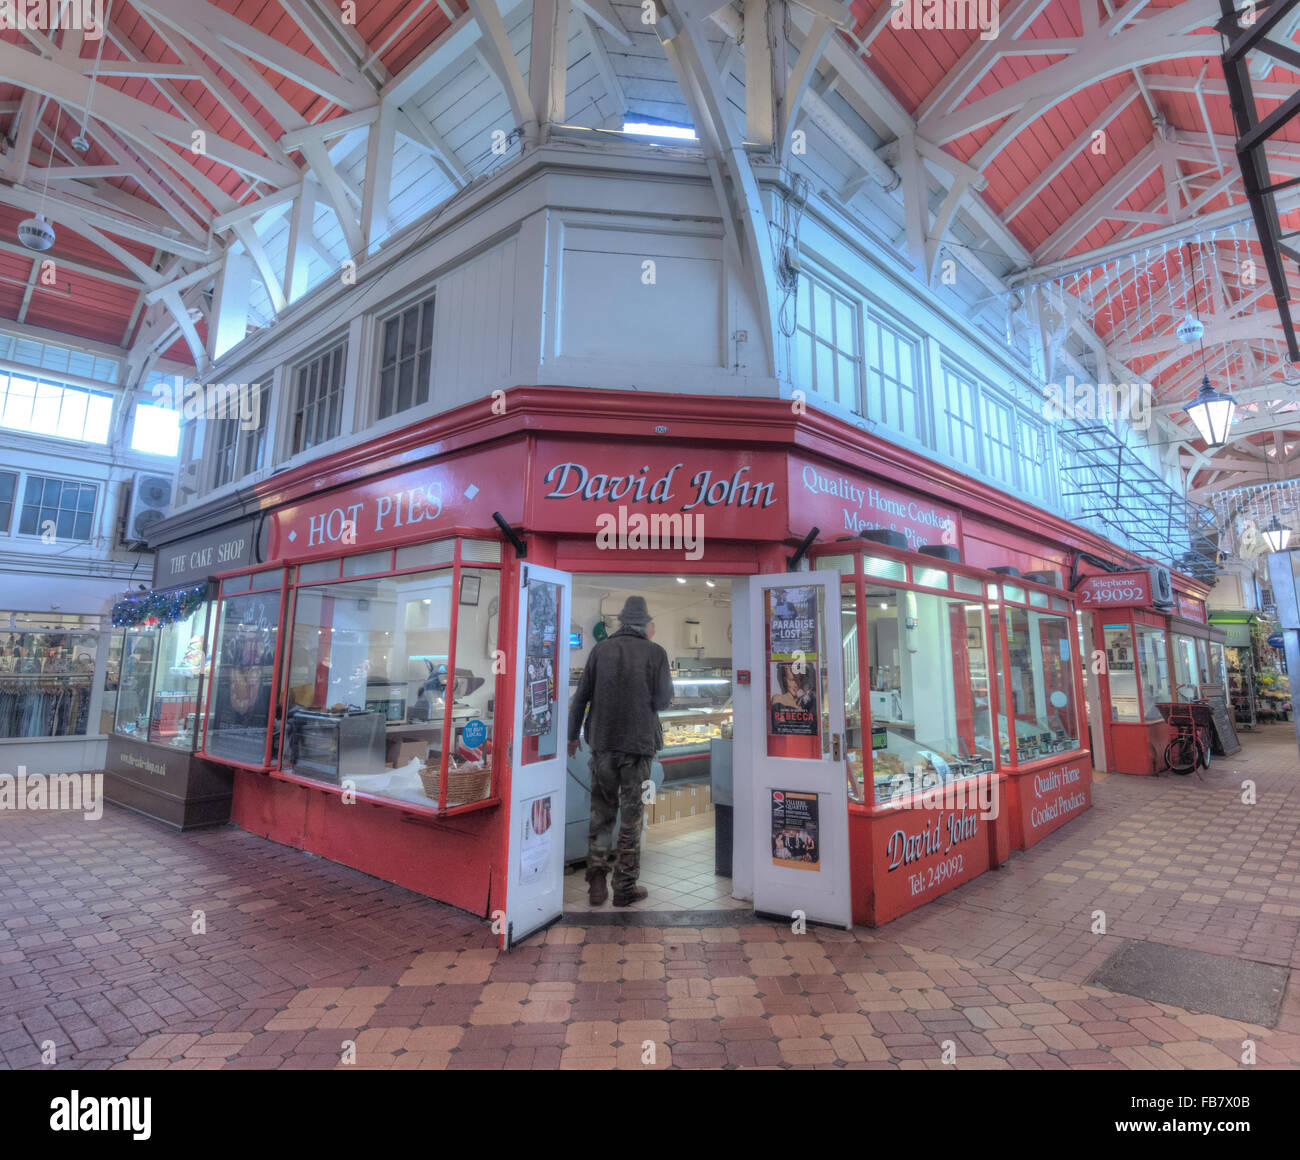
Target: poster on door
(535,844)
(796,842)
(792,662)
(543,627)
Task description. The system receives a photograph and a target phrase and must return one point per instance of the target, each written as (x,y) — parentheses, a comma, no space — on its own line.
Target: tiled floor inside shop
(99,958)
(677,869)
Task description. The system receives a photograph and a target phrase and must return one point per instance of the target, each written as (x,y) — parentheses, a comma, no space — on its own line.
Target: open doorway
(686,842)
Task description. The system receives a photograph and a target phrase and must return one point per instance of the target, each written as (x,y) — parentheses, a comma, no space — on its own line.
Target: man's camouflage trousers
(616,780)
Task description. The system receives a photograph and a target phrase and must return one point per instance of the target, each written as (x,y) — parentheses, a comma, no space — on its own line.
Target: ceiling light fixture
(711,583)
(1275,535)
(1210,412)
(681,579)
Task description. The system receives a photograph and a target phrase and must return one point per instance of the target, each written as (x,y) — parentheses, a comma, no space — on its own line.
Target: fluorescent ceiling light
(650,129)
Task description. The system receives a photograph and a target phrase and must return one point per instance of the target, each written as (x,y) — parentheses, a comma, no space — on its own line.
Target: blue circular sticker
(474,733)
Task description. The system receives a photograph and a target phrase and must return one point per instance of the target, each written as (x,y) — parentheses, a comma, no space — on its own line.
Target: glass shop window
(47,665)
(1186,672)
(139,652)
(243,676)
(1041,675)
(1121,665)
(928,690)
(177,713)
(1153,670)
(1218,665)
(378,696)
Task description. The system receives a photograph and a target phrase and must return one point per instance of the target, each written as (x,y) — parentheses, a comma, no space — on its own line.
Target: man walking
(625,685)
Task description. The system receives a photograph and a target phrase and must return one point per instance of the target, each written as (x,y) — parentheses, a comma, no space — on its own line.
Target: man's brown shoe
(596,892)
(638,893)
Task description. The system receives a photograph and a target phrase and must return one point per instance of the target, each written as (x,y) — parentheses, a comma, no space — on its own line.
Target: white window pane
(804,314)
(72,415)
(156,430)
(99,415)
(803,359)
(846,381)
(846,332)
(821,312)
(825,371)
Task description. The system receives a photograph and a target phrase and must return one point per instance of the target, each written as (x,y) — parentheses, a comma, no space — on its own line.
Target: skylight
(653,129)
(157,430)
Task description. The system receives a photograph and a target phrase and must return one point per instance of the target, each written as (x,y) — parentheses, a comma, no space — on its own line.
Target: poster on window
(535,847)
(795,831)
(792,707)
(792,662)
(792,617)
(543,628)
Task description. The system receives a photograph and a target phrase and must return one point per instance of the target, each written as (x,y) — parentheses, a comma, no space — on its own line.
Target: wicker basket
(463,785)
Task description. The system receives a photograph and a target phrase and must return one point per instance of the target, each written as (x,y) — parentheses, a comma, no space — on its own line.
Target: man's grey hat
(635,611)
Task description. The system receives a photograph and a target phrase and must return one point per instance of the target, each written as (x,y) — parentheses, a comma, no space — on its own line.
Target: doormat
(1209,984)
(623,917)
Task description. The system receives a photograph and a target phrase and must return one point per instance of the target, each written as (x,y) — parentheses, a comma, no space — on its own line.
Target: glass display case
(701,708)
(1040,677)
(243,673)
(179,670)
(135,683)
(47,669)
(927,690)
(374,683)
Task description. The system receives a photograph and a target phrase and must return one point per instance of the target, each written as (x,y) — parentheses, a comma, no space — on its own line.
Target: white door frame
(821,895)
(535,891)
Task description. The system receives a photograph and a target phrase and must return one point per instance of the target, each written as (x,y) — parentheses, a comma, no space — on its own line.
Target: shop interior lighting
(1210,412)
(701,681)
(1275,535)
(711,583)
(681,579)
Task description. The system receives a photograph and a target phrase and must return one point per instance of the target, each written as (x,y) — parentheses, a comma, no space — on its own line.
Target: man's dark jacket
(626,682)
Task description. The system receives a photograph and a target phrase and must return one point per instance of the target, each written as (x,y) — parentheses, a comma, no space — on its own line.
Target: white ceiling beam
(602,13)
(608,75)
(337,193)
(548,60)
(1067,155)
(417,128)
(133,118)
(797,84)
(1099,206)
(760,95)
(195,17)
(378,179)
(495,47)
(253,247)
(1098,55)
(981,56)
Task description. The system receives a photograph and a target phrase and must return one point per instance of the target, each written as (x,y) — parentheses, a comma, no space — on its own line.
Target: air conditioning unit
(1162,587)
(151,496)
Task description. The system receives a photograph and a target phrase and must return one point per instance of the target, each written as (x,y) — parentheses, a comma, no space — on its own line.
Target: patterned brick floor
(300,958)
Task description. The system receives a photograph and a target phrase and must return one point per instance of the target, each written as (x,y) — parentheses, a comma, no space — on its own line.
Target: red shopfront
(1142,656)
(389,680)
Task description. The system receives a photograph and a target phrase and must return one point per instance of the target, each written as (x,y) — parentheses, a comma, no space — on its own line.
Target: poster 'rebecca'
(792,662)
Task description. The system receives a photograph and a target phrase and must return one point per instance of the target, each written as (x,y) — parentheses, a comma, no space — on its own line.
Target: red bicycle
(1189,747)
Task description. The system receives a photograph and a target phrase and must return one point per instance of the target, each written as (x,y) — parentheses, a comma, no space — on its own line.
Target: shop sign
(930,853)
(399,508)
(1051,797)
(1191,609)
(657,497)
(223,549)
(1277,640)
(796,841)
(838,503)
(1115,590)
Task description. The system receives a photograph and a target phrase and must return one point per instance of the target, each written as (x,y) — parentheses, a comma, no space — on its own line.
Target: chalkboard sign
(1223,740)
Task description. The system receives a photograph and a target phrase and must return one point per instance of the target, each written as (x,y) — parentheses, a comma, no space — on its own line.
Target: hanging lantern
(1276,536)
(1190,329)
(1211,413)
(36,233)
